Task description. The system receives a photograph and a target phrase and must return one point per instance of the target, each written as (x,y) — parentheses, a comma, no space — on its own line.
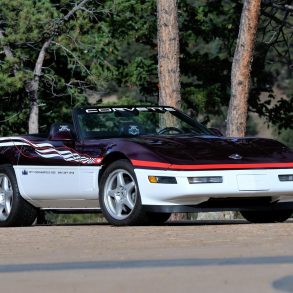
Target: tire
(157,218)
(275,216)
(14,210)
(119,195)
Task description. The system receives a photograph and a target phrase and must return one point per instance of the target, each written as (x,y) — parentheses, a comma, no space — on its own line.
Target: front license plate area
(258,182)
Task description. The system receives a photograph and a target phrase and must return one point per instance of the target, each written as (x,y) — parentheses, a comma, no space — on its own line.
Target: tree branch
(73,55)
(285,7)
(74,9)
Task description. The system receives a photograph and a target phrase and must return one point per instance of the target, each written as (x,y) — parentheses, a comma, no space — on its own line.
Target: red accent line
(138,163)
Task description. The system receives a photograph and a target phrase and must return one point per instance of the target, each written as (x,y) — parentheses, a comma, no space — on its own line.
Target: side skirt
(208,207)
(73,211)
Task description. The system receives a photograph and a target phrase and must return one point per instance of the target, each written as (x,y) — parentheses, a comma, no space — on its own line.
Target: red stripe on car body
(147,164)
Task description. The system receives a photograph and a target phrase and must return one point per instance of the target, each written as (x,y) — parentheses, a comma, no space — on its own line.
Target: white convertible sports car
(137,165)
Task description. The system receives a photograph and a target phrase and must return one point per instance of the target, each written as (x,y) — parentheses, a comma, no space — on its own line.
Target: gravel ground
(199,256)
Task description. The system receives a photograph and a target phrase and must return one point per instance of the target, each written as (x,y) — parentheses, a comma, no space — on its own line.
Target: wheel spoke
(129,187)
(128,202)
(7,206)
(111,193)
(119,208)
(3,211)
(120,179)
(5,184)
(2,199)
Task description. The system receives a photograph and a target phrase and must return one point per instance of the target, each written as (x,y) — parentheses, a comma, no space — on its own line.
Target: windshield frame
(141,108)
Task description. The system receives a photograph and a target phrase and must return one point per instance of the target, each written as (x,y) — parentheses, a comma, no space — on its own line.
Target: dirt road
(179,257)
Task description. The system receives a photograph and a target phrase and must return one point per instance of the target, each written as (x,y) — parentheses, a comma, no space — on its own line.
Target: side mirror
(216,131)
(61,131)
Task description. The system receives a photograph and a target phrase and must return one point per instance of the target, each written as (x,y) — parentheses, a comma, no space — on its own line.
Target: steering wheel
(170,129)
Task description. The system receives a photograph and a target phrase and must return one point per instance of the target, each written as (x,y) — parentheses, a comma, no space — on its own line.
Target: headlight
(162,179)
(208,179)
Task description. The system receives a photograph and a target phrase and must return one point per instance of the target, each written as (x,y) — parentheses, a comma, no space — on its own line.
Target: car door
(49,168)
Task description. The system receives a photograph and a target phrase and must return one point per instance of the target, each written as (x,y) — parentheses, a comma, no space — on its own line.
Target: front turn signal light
(162,179)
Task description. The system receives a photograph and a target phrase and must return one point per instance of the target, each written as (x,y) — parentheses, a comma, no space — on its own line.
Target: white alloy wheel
(14,210)
(6,197)
(120,194)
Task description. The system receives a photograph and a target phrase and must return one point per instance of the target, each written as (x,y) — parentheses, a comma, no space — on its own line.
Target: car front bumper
(253,183)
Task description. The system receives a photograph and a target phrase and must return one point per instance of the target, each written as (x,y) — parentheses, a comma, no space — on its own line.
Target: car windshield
(134,121)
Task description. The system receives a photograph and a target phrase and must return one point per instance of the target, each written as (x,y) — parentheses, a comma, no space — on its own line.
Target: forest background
(108,51)
(56,55)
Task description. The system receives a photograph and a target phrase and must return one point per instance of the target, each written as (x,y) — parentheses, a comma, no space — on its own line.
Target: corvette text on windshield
(133,109)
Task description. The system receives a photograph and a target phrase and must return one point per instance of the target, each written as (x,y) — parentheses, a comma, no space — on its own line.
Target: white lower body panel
(236,184)
(53,187)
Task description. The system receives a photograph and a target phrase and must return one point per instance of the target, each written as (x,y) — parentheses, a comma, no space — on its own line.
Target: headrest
(61,131)
(131,128)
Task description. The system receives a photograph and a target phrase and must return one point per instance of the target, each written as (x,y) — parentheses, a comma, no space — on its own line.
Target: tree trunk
(168,64)
(33,88)
(241,67)
(168,53)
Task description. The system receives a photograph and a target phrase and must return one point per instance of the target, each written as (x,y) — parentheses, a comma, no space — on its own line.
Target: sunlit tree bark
(241,67)
(168,53)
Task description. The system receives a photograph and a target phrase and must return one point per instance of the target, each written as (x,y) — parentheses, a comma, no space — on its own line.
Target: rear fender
(4,160)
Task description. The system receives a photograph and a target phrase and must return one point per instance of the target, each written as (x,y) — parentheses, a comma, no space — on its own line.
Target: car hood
(210,149)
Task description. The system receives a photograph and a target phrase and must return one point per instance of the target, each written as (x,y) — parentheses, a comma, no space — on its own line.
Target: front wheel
(119,195)
(14,210)
(275,216)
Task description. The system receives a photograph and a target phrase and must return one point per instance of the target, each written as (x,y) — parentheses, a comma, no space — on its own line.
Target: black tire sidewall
(22,213)
(9,172)
(274,216)
(137,216)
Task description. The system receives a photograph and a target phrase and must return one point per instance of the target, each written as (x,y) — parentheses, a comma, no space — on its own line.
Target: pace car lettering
(65,172)
(48,151)
(42,172)
(47,172)
(140,109)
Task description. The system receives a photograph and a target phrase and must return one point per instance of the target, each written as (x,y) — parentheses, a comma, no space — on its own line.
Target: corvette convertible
(137,165)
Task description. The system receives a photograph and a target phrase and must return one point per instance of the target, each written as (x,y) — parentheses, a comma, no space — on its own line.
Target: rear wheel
(275,216)
(119,195)
(14,210)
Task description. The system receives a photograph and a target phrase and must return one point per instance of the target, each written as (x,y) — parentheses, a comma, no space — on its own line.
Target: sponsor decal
(131,109)
(47,172)
(133,130)
(64,128)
